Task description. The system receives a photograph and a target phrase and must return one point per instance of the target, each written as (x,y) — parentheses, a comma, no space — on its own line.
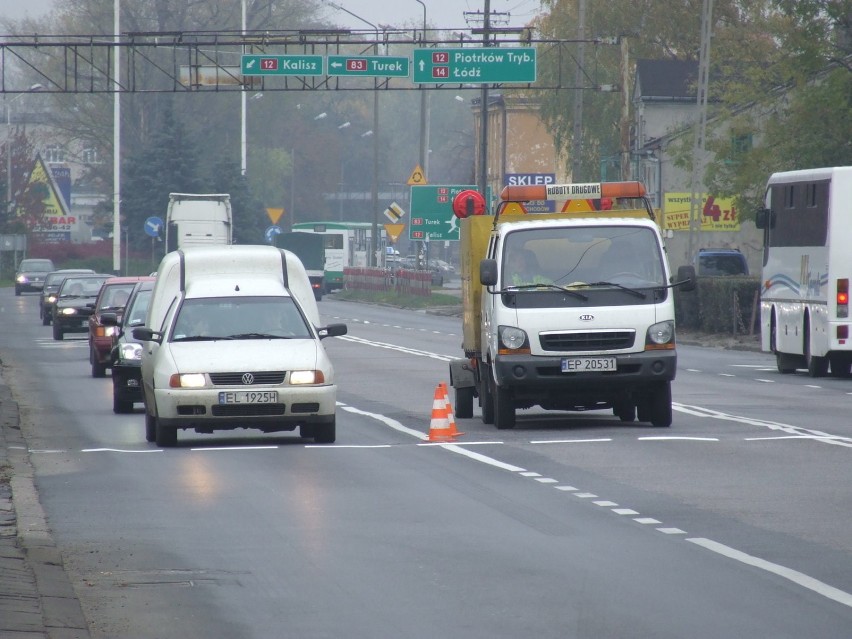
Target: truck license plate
(248,397)
(588,364)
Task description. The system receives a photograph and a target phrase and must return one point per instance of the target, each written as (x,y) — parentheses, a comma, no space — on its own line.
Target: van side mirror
(145,334)
(332,330)
(686,278)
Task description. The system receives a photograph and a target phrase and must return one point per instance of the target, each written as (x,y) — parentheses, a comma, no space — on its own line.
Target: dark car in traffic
(52,282)
(127,350)
(31,273)
(75,302)
(113,298)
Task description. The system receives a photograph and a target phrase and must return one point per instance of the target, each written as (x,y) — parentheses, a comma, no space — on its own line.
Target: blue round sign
(153,226)
(271,232)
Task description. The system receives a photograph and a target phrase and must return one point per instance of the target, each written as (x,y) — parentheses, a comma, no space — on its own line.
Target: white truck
(232,340)
(570,311)
(198,219)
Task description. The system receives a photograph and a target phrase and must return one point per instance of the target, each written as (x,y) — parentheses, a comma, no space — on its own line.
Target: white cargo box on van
(235,265)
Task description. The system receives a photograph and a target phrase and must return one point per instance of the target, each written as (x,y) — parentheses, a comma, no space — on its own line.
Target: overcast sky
(445,14)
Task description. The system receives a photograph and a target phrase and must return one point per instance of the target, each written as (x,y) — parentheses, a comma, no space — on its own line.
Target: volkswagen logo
(248,378)
(587,318)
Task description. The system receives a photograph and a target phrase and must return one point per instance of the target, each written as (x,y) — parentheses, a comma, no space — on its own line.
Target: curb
(36,595)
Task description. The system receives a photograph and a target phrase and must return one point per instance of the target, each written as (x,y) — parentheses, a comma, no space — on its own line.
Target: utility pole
(577,140)
(700,127)
(483,123)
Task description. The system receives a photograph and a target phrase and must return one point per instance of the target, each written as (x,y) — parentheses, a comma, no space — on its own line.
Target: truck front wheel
(464,402)
(486,400)
(661,406)
(504,408)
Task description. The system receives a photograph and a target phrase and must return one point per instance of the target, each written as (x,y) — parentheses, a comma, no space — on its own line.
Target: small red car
(112,299)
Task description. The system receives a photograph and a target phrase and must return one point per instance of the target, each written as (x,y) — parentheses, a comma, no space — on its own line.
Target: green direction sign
(482,65)
(251,64)
(432,216)
(368,65)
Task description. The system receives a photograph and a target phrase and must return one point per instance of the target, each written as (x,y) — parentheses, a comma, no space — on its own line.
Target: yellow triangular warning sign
(578,206)
(394,231)
(42,187)
(418,177)
(274,215)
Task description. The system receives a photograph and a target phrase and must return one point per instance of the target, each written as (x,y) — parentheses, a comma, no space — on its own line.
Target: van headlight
(660,335)
(513,341)
(306,377)
(187,380)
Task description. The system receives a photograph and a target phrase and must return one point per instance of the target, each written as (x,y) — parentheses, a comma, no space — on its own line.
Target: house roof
(666,79)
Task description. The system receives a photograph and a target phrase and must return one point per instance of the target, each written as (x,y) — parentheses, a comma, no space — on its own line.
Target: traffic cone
(439,427)
(451,416)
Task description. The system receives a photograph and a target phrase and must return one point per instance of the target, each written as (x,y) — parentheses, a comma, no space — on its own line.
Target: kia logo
(587,318)
(248,378)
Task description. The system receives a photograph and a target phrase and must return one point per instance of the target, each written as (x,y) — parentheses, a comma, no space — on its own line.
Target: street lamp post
(374,254)
(424,129)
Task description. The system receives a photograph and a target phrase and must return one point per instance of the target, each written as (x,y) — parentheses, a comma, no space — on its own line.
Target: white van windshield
(213,318)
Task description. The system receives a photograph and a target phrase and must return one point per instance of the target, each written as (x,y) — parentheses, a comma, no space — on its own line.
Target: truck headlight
(513,340)
(660,335)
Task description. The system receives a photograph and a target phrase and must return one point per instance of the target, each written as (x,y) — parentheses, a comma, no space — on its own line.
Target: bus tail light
(843,297)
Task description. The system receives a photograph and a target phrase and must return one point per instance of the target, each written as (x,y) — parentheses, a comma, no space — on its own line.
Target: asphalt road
(733,522)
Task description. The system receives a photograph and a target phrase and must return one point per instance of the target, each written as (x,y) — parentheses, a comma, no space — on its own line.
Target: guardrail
(402,281)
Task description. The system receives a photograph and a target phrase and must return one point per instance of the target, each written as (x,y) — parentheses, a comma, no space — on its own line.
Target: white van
(232,340)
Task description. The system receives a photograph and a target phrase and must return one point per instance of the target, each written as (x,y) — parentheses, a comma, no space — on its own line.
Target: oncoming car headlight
(187,380)
(130,351)
(660,335)
(513,340)
(68,311)
(306,377)
(22,279)
(51,299)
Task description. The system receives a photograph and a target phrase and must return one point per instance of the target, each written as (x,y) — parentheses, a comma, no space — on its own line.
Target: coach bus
(807,265)
(346,244)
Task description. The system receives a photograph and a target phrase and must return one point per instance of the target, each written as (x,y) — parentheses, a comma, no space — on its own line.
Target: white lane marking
(798,578)
(663,438)
(605,504)
(483,458)
(816,435)
(693,370)
(646,520)
(387,421)
(570,441)
(530,474)
(726,375)
(566,488)
(586,495)
(761,366)
(546,480)
(394,347)
(340,446)
(220,448)
(812,386)
(123,450)
(765,381)
(625,511)
(672,531)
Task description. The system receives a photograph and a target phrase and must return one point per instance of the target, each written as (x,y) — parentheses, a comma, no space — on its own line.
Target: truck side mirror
(488,272)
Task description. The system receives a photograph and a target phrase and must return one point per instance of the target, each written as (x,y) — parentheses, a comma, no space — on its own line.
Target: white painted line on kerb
(798,578)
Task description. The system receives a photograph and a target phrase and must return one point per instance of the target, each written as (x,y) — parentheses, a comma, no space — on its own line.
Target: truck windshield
(213,318)
(583,257)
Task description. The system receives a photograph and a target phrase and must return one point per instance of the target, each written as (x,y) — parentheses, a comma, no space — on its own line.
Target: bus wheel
(784,363)
(817,366)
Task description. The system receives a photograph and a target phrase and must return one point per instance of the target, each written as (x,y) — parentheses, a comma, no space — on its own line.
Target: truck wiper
(563,289)
(632,291)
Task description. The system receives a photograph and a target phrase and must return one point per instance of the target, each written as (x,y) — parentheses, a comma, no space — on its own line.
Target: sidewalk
(36,597)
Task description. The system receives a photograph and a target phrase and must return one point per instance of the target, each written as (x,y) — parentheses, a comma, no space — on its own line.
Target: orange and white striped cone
(439,427)
(451,416)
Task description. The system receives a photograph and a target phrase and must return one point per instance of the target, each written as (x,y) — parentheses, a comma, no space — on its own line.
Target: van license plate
(248,397)
(588,364)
